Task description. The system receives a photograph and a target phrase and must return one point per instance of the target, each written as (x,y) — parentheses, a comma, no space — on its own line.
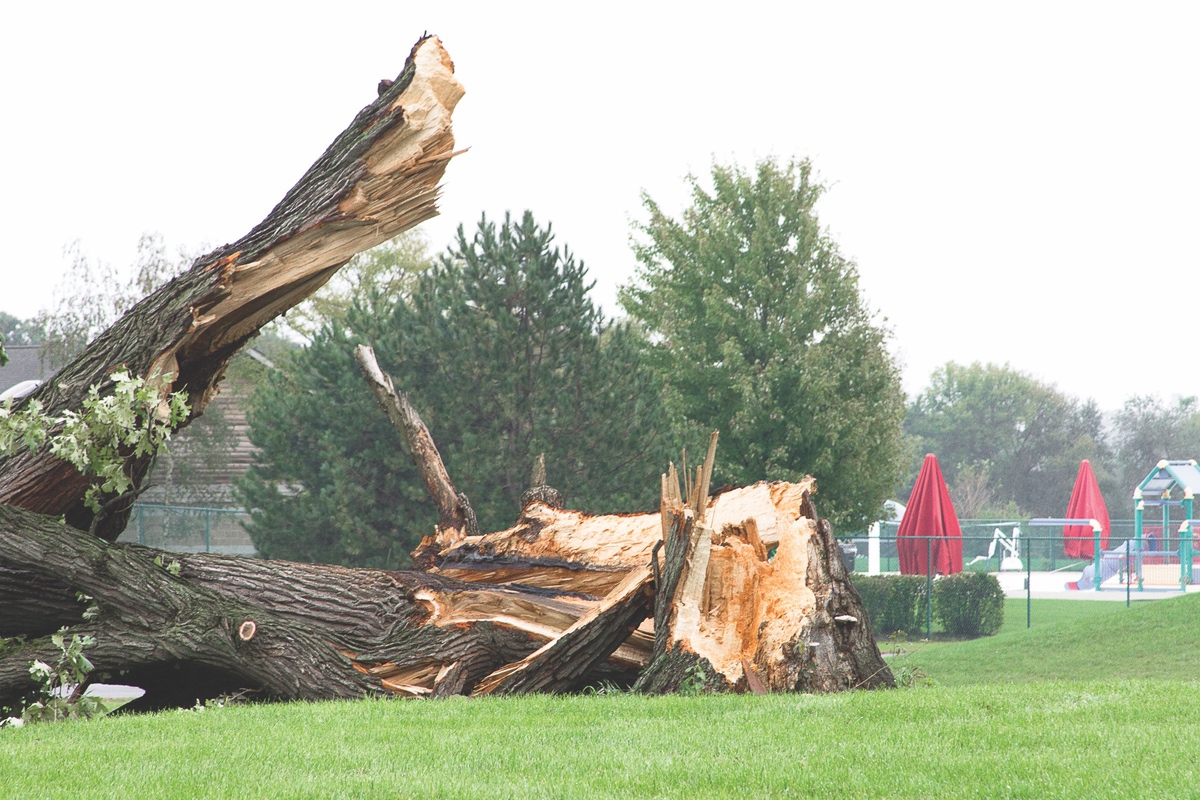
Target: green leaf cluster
(129,419)
(759,331)
(504,355)
(54,699)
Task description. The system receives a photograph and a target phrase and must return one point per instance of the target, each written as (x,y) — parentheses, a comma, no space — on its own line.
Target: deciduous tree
(1024,434)
(759,330)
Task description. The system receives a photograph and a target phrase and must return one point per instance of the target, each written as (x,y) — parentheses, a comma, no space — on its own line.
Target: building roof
(24,364)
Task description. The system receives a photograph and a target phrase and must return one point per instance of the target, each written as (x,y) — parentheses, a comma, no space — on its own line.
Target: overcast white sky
(1017,182)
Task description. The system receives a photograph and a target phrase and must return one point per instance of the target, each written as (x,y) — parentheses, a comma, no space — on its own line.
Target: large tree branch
(456,518)
(377,179)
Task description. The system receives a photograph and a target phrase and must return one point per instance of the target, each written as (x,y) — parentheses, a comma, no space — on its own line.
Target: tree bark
(456,518)
(319,631)
(377,179)
(749,594)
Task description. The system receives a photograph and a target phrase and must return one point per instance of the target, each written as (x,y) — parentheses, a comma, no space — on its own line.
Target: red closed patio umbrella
(929,529)
(1086,503)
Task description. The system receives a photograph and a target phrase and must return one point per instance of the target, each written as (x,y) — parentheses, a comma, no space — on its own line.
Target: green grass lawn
(1000,721)
(1072,639)
(1082,739)
(1042,612)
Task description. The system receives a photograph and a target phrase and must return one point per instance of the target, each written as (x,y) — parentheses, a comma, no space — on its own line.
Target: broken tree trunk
(558,601)
(731,616)
(376,180)
(746,597)
(318,631)
(577,552)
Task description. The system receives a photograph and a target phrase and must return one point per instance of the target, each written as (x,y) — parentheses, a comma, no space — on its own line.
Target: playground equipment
(1111,562)
(1158,489)
(1097,532)
(1012,544)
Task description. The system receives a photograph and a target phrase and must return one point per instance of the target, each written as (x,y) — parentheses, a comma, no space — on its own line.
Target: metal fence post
(1029,588)
(928,587)
(1128,574)
(1096,556)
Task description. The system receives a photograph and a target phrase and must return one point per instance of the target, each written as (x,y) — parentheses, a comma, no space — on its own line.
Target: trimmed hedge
(893,602)
(968,604)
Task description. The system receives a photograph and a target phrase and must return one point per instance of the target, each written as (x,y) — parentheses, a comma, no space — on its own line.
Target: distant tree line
(1010,445)
(743,316)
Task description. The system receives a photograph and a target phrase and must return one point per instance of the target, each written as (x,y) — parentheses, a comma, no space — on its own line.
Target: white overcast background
(1017,182)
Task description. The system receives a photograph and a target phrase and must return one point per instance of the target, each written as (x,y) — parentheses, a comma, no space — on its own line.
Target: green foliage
(130,421)
(969,604)
(504,355)
(1022,437)
(1147,430)
(56,698)
(760,332)
(695,681)
(895,603)
(17,331)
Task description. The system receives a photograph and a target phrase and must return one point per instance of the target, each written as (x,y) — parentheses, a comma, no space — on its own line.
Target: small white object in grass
(12,722)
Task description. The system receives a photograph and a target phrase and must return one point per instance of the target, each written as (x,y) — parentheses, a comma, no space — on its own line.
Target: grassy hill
(1072,639)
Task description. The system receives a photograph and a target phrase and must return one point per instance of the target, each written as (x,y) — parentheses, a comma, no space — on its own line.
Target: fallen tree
(742,591)
(376,180)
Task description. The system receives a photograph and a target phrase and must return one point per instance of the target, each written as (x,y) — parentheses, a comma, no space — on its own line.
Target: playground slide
(1110,564)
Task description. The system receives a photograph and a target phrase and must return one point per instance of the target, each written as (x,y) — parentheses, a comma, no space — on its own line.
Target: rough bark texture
(320,631)
(742,591)
(377,179)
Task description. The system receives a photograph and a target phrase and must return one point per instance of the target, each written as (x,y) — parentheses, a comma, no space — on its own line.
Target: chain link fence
(189,529)
(1031,564)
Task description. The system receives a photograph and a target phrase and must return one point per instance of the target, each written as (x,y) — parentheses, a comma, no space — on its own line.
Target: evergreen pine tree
(505,356)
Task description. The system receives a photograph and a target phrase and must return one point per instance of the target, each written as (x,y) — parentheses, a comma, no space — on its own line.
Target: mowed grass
(1069,640)
(1081,739)
(1043,611)
(1095,701)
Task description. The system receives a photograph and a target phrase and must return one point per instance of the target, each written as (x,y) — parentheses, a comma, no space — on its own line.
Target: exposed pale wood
(572,551)
(377,179)
(565,661)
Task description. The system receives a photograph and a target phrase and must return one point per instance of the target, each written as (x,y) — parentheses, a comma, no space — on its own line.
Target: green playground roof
(1167,475)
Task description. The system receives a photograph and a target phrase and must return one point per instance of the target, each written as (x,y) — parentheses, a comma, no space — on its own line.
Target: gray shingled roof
(24,364)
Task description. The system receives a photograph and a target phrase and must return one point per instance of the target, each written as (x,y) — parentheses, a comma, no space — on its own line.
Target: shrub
(894,602)
(969,604)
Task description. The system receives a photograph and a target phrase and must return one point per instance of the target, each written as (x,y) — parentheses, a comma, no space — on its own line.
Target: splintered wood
(739,591)
(742,591)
